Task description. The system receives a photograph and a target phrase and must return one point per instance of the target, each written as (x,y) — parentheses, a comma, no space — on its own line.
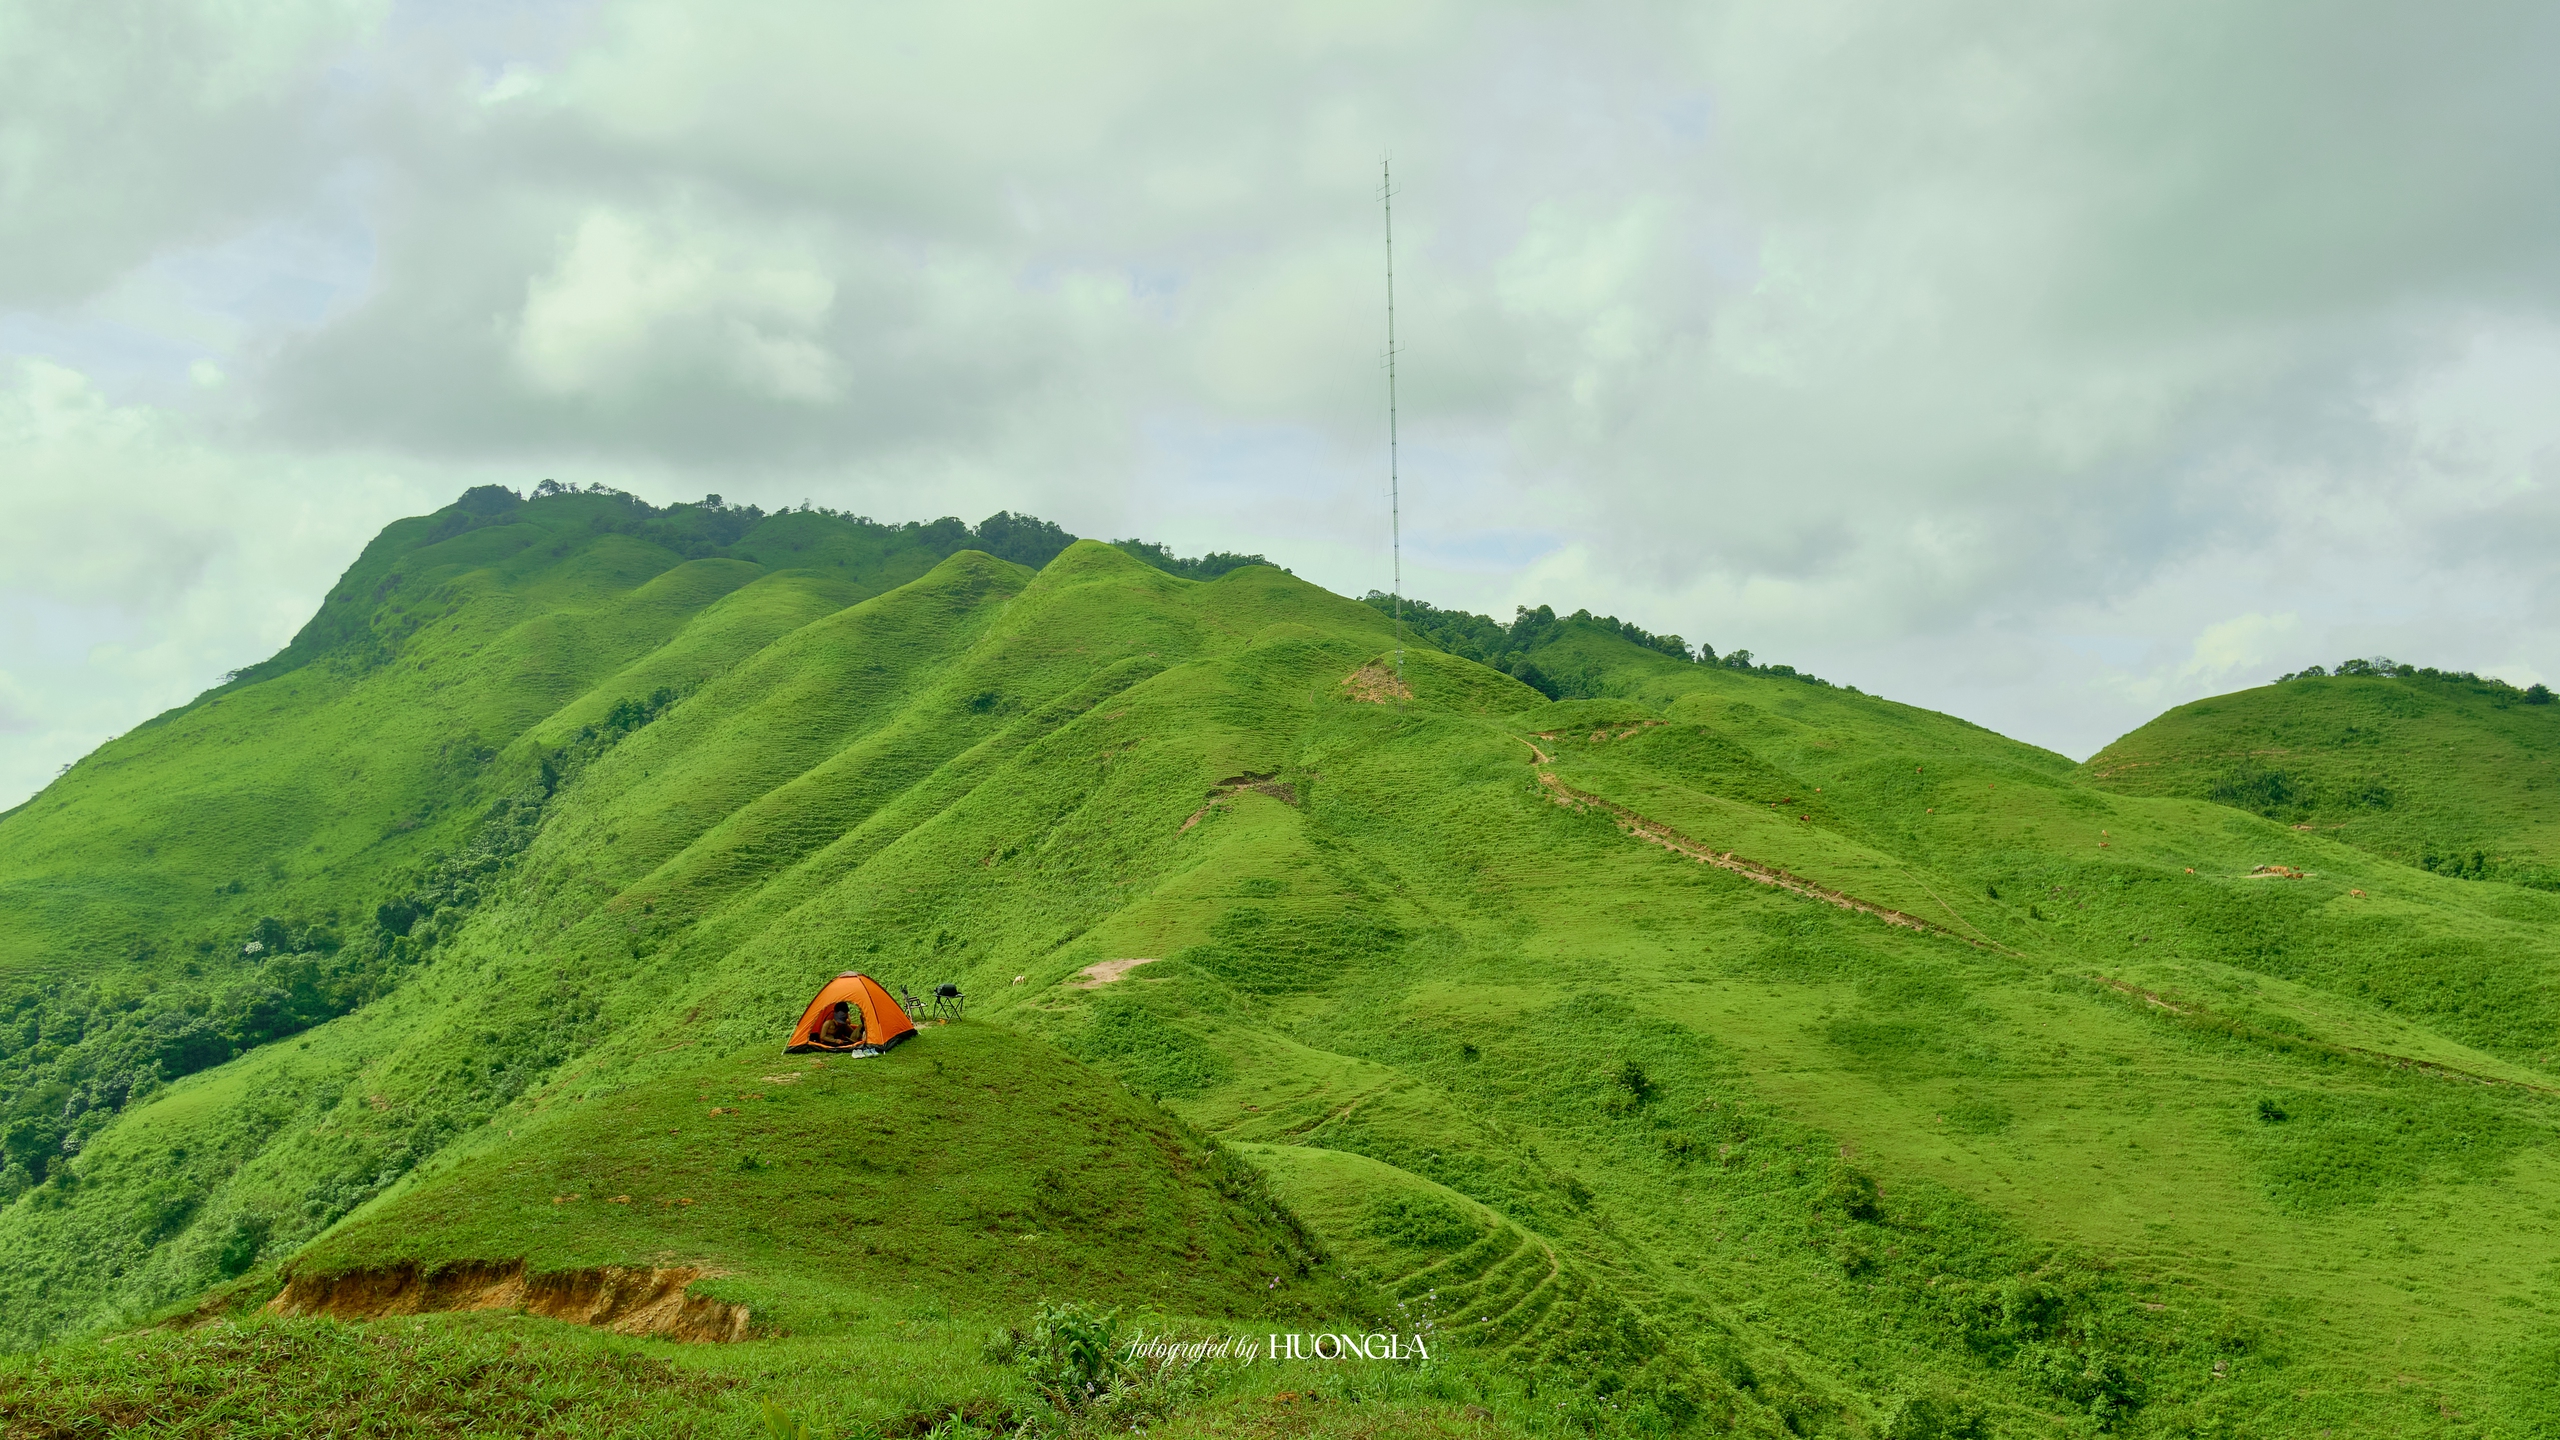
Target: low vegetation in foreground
(1675,1043)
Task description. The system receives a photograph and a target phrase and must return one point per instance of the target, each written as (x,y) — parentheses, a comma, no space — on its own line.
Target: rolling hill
(2450,773)
(1710,1049)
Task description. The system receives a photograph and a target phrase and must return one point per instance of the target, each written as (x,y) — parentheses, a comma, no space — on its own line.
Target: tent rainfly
(883,1023)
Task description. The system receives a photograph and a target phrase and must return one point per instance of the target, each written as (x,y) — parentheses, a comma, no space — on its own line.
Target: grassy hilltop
(1704,1048)
(2450,773)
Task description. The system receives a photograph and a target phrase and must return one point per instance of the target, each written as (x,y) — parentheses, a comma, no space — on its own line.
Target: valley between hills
(391,1039)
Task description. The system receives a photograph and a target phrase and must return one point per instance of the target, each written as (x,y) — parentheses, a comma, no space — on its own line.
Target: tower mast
(1395,499)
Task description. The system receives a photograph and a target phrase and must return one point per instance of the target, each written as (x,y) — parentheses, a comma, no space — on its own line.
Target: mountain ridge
(2093,1149)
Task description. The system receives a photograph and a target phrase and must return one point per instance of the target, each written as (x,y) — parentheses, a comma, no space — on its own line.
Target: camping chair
(908,1002)
(947,1002)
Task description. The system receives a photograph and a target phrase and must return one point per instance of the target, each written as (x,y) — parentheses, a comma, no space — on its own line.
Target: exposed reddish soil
(1376,684)
(626,1299)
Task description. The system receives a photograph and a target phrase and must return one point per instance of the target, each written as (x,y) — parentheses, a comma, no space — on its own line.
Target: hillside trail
(1980,938)
(1654,832)
(2389,1060)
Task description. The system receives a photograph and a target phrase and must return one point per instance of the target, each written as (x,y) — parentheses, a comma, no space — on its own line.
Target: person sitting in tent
(850,1015)
(842,1029)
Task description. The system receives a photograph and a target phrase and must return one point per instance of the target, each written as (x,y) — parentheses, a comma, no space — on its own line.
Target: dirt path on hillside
(2385,1058)
(1959,916)
(1656,833)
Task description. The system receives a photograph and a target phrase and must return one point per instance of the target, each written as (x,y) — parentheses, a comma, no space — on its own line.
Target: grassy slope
(1726,1143)
(2429,772)
(302,793)
(818,1187)
(911,1365)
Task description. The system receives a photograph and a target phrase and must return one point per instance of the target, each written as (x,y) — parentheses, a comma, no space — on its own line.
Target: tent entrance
(883,1024)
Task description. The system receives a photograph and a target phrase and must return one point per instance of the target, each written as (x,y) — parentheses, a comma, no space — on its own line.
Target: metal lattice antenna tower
(1395,498)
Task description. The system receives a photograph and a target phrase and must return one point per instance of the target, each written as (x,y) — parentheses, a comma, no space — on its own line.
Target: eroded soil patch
(1376,684)
(1225,792)
(626,1299)
(1103,972)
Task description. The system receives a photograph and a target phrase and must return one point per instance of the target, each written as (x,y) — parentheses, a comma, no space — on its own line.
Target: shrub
(1931,1417)
(1853,1195)
(1071,1354)
(241,1243)
(1195,567)
(2252,786)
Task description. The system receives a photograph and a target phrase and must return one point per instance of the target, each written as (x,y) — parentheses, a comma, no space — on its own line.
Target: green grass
(320,1378)
(2445,773)
(970,1163)
(2133,1135)
(911,1369)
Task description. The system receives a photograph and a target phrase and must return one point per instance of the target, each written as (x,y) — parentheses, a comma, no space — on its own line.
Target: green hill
(1712,1049)
(2450,773)
(981,1164)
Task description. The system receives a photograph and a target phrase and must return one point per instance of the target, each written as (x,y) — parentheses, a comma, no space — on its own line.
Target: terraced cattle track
(1496,1294)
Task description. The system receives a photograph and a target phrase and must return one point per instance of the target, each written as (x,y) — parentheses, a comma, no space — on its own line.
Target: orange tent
(883,1023)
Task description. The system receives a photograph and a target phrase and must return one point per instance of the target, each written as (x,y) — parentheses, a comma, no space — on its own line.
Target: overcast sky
(2047,364)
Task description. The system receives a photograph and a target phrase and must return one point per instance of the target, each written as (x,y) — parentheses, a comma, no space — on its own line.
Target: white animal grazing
(1018,979)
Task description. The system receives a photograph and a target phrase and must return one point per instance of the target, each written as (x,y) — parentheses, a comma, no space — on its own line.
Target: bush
(1852,1194)
(1196,567)
(1528,673)
(2255,787)
(1931,1417)
(242,1243)
(1073,1358)
(1071,1354)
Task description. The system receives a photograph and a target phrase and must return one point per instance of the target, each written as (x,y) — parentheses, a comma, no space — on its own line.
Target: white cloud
(513,83)
(2005,359)
(138,562)
(2238,646)
(131,126)
(626,294)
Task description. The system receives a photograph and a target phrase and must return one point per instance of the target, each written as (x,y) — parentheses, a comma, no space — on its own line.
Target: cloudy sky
(2048,364)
